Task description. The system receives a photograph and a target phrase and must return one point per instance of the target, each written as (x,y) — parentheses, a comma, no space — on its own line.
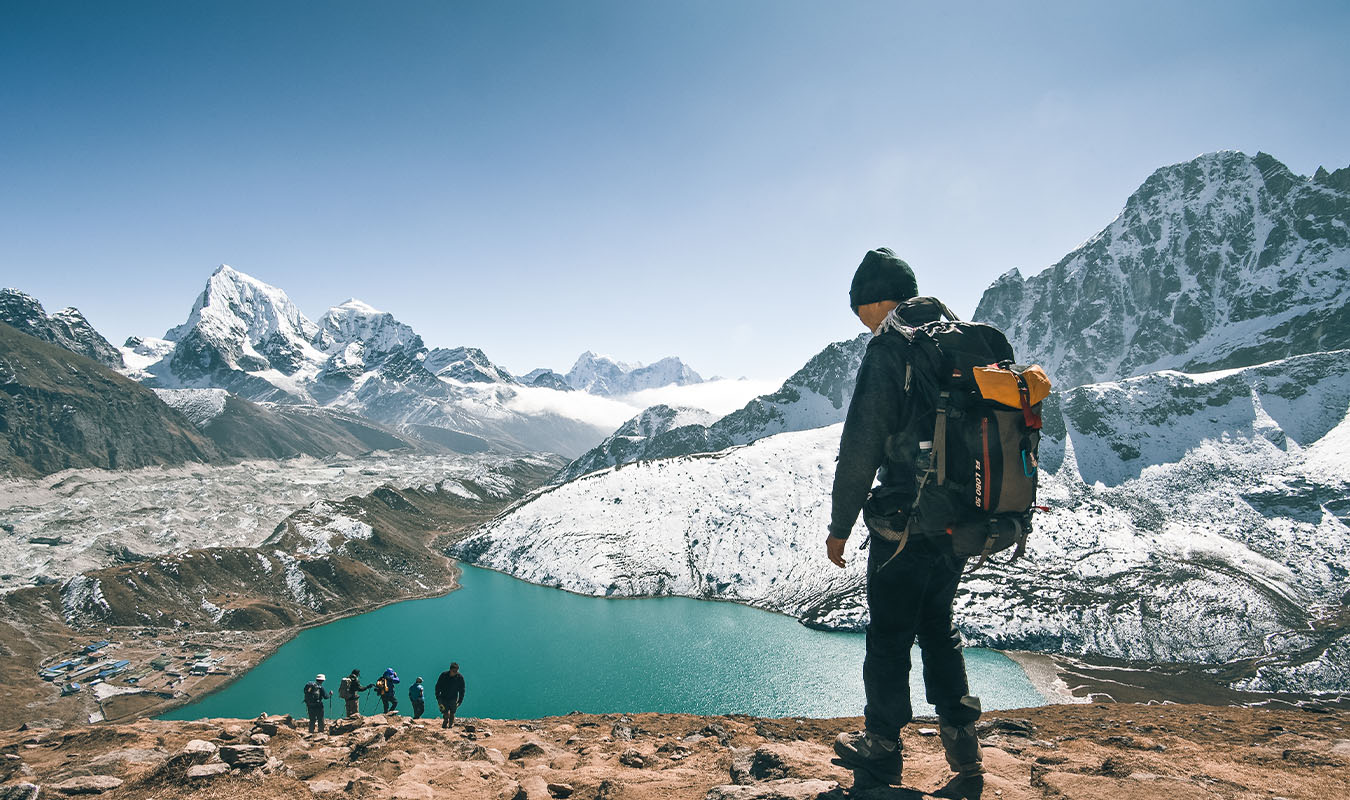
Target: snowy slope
(200,406)
(629,442)
(1224,261)
(743,525)
(1203,538)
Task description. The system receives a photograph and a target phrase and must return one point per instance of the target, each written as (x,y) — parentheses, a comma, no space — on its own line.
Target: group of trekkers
(449,695)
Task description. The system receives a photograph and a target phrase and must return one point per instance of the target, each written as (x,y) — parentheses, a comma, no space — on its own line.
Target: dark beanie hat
(882,276)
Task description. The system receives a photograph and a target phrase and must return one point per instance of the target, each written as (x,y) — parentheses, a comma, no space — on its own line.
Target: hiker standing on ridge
(315,694)
(384,687)
(911,579)
(417,695)
(449,694)
(350,689)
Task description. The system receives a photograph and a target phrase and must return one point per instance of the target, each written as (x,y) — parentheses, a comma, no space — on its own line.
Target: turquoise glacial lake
(530,651)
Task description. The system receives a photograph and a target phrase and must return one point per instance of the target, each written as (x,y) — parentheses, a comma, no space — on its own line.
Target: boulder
(19,791)
(533,787)
(560,790)
(489,754)
(244,756)
(327,787)
(632,758)
(529,749)
(199,750)
(202,771)
(260,738)
(88,784)
(338,727)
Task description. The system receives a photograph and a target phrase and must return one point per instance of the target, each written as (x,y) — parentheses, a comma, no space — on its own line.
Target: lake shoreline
(662,655)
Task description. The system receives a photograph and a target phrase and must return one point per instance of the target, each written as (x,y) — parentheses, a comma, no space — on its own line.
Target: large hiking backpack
(347,688)
(973,435)
(312,696)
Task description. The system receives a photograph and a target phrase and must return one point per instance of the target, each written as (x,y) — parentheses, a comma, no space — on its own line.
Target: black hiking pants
(315,717)
(911,598)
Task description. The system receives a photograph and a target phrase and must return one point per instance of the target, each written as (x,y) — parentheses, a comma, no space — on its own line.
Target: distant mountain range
(247,337)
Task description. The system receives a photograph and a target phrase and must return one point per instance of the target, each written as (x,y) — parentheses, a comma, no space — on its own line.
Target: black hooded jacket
(879,416)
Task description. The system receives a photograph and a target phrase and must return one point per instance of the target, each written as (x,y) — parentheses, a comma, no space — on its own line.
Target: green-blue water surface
(530,651)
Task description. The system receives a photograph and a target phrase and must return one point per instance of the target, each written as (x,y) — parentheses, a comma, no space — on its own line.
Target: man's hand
(834,549)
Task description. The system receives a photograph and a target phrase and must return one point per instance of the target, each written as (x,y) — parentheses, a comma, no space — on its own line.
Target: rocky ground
(1084,752)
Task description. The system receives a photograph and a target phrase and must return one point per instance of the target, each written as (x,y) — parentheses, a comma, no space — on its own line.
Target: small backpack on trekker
(973,435)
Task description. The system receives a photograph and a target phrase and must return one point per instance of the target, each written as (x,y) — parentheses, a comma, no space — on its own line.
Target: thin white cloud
(591,409)
(719,397)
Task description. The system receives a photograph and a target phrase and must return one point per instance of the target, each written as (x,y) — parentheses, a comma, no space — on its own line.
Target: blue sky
(642,179)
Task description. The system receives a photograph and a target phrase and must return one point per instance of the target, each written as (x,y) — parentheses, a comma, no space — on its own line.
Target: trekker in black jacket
(912,596)
(449,694)
(315,695)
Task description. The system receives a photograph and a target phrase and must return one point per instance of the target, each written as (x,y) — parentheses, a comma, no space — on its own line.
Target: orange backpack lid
(1001,385)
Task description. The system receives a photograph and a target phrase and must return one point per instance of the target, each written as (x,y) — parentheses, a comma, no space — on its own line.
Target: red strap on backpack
(1031,418)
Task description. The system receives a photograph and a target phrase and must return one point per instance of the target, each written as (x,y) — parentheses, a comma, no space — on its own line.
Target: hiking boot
(962,787)
(962,747)
(874,761)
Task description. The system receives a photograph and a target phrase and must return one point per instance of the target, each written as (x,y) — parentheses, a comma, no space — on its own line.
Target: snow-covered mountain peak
(1226,260)
(379,333)
(357,306)
(465,364)
(238,306)
(606,375)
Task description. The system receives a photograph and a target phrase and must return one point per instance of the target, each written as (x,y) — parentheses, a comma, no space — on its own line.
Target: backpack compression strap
(940,439)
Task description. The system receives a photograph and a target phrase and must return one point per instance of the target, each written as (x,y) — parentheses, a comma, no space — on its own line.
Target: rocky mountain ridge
(1224,261)
(60,410)
(606,376)
(66,328)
